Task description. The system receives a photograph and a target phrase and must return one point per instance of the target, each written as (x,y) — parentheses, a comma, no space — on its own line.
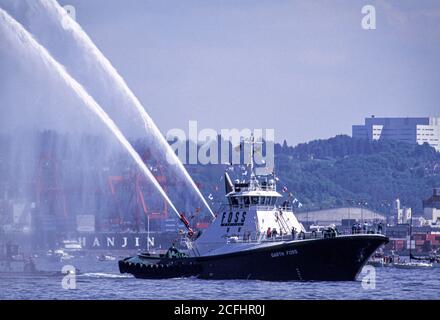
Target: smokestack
(229,187)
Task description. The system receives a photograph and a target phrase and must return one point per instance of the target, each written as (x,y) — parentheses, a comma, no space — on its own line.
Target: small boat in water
(69,249)
(433,259)
(104,257)
(58,255)
(379,259)
(412,265)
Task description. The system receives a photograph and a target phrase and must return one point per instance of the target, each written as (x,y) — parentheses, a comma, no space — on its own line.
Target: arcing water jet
(20,39)
(73,48)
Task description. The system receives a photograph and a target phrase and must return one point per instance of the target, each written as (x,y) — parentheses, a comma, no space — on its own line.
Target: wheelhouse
(241,200)
(253,193)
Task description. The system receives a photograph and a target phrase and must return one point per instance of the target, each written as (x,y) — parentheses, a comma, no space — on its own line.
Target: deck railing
(263,237)
(262,207)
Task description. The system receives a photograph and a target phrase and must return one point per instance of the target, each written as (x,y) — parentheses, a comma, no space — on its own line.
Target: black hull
(330,259)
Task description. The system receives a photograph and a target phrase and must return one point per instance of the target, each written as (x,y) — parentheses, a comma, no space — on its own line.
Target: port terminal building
(344,216)
(411,130)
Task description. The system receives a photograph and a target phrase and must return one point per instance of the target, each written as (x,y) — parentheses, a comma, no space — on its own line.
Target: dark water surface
(101,280)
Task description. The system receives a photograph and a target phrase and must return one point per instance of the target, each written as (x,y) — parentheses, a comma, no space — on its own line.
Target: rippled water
(101,280)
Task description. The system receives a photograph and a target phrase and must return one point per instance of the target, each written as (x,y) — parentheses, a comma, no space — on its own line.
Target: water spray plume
(11,26)
(91,65)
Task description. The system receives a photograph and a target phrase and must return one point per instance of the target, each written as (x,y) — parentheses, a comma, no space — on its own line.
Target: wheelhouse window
(254,200)
(262,201)
(268,200)
(246,201)
(234,201)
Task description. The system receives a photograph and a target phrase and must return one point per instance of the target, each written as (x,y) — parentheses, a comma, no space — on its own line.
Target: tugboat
(254,238)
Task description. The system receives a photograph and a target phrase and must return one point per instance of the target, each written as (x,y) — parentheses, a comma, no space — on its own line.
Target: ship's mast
(252,142)
(410,237)
(253,180)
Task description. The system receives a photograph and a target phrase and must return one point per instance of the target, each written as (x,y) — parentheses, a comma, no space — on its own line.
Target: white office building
(411,130)
(403,214)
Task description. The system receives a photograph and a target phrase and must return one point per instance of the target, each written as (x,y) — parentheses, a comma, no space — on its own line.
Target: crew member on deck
(365,227)
(268,233)
(293,233)
(379,228)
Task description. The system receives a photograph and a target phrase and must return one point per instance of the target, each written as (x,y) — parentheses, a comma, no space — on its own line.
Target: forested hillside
(344,171)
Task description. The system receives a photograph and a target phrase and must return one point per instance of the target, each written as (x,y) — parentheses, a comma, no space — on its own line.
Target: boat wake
(104,275)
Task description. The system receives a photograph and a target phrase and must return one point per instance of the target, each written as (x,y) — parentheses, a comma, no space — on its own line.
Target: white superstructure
(251,217)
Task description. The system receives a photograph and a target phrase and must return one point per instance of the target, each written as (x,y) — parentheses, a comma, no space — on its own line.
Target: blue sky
(305,68)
